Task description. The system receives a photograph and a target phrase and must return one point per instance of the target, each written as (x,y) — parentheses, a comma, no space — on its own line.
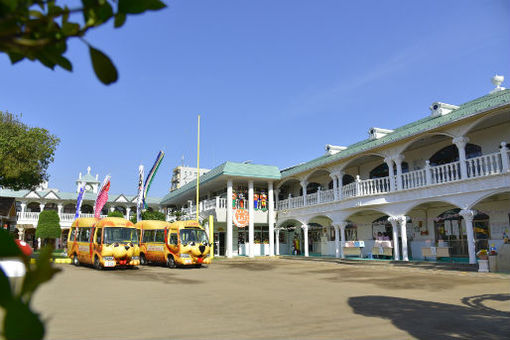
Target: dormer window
(376,133)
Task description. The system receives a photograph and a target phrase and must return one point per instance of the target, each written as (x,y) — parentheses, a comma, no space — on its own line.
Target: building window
(450,154)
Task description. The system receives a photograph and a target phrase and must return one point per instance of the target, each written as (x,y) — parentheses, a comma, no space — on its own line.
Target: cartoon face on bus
(110,242)
(182,243)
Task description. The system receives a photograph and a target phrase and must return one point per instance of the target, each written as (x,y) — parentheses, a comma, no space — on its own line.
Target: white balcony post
(276,197)
(218,202)
(304,184)
(128,212)
(228,248)
(60,207)
(403,235)
(277,241)
(468,216)
(23,206)
(358,186)
(398,161)
(335,186)
(251,214)
(504,157)
(305,242)
(41,206)
(394,220)
(340,177)
(342,238)
(461,142)
(318,195)
(270,195)
(337,241)
(428,174)
(391,173)
(112,208)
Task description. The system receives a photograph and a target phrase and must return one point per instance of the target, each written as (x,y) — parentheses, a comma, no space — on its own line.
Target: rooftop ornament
(497,80)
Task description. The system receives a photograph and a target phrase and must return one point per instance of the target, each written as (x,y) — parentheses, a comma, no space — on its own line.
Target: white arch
(279,224)
(344,166)
(319,216)
(417,204)
(287,180)
(484,196)
(403,148)
(315,171)
(465,130)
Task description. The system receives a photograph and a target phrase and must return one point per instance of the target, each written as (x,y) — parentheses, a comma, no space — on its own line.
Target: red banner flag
(102,197)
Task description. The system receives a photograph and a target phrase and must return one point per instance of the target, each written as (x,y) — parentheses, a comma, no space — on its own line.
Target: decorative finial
(88,170)
(497,80)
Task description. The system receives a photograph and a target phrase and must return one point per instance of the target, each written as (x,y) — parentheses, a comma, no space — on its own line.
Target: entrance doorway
(219,243)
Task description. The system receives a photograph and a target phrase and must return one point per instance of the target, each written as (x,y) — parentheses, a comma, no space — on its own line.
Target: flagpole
(198,168)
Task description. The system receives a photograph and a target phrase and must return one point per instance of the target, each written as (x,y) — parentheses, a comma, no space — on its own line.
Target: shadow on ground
(250,266)
(433,320)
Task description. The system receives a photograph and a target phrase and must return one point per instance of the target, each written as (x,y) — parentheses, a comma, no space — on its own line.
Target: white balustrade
(484,165)
(349,190)
(414,179)
(327,196)
(311,199)
(445,173)
(374,186)
(223,203)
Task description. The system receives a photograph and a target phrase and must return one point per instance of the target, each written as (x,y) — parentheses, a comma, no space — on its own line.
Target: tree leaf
(120,19)
(21,323)
(15,57)
(103,66)
(65,63)
(138,6)
(5,288)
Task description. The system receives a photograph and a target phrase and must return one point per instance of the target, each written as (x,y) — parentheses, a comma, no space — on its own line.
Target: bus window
(160,236)
(173,239)
(98,235)
(84,235)
(72,234)
(148,236)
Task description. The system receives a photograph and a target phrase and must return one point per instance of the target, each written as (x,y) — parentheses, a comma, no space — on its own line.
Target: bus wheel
(97,264)
(76,262)
(143,260)
(170,262)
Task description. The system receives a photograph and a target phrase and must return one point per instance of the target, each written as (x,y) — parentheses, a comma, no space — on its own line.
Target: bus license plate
(109,263)
(187,261)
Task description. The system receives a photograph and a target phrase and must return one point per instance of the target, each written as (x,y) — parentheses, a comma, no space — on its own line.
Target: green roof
(230,169)
(468,109)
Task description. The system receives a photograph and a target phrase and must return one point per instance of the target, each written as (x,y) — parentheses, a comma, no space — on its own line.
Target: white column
(270,195)
(461,142)
(304,184)
(398,161)
(428,174)
(504,157)
(335,186)
(342,238)
(228,248)
(21,234)
(403,235)
(340,177)
(128,211)
(251,214)
(60,207)
(112,208)
(318,193)
(218,202)
(41,206)
(468,219)
(394,223)
(305,241)
(277,241)
(23,206)
(391,173)
(337,241)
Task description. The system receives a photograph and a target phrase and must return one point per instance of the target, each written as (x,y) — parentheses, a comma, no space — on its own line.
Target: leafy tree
(25,153)
(48,226)
(39,29)
(115,214)
(19,321)
(150,215)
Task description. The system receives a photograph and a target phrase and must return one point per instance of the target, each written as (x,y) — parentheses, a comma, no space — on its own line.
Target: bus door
(173,242)
(159,245)
(98,244)
(83,238)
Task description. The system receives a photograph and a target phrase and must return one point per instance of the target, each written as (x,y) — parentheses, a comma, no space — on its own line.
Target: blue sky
(274,81)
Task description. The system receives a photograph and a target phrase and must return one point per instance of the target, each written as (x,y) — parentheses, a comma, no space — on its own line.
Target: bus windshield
(120,235)
(193,235)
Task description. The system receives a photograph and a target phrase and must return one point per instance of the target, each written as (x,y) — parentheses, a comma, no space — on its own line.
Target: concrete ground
(275,298)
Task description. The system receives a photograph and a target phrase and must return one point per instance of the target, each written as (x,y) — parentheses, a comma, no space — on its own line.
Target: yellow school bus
(181,243)
(109,242)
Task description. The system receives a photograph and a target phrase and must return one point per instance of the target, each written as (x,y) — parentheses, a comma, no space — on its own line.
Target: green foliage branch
(25,153)
(115,214)
(20,321)
(39,29)
(150,215)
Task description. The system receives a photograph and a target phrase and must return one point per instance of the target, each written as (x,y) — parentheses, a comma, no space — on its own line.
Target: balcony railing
(485,165)
(33,217)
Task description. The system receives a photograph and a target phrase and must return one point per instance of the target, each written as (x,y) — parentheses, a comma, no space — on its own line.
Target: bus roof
(152,224)
(184,224)
(115,222)
(84,222)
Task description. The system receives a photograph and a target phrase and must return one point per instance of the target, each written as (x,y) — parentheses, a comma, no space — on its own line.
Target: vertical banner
(102,197)
(79,201)
(150,177)
(139,200)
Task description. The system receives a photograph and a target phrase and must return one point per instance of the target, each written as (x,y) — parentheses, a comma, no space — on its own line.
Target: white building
(183,175)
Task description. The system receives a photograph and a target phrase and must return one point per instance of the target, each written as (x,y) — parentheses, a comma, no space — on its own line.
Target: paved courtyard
(275,298)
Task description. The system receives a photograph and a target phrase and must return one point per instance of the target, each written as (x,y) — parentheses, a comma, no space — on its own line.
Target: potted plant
(483,261)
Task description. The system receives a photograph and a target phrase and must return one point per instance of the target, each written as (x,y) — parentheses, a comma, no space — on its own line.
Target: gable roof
(468,109)
(231,169)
